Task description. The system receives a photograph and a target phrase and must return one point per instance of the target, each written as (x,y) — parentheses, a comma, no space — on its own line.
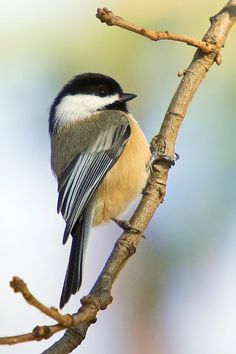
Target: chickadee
(99,156)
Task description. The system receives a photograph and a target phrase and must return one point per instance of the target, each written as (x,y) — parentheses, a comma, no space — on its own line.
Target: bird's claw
(126,226)
(157,157)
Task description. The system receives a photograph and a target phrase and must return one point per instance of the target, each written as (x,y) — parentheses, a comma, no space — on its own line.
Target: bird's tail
(80,233)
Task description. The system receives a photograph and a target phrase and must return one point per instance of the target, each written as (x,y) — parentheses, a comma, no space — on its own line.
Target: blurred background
(177,294)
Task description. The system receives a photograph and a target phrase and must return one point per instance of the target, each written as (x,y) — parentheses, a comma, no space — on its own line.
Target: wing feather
(85,172)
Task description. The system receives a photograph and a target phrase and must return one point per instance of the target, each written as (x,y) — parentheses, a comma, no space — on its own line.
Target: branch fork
(107,16)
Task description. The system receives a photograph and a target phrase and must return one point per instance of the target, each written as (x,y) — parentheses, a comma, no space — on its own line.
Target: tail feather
(74,272)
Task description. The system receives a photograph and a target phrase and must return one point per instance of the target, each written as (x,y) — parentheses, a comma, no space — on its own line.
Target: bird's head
(85,95)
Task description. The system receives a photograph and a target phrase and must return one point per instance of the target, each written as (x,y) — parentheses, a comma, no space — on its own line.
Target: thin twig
(107,16)
(19,286)
(91,305)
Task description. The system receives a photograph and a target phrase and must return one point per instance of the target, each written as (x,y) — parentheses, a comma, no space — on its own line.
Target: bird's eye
(102,92)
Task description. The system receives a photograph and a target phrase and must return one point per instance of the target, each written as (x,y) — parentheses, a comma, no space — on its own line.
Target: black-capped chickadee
(99,156)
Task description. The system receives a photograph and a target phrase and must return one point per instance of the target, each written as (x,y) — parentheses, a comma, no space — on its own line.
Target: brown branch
(164,146)
(20,287)
(39,332)
(107,16)
(88,313)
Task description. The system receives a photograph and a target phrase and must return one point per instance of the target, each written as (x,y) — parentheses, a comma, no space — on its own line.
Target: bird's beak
(124,97)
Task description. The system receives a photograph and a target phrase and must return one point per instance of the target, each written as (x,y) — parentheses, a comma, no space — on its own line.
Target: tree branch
(107,16)
(20,287)
(164,146)
(87,313)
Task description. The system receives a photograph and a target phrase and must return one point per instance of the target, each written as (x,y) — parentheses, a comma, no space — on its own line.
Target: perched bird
(100,158)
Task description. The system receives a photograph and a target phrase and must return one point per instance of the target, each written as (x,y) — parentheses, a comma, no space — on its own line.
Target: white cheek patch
(79,107)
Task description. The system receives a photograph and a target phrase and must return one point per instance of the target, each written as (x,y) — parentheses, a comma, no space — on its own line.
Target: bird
(100,158)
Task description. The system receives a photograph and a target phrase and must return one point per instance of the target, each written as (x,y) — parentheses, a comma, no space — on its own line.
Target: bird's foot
(126,226)
(157,157)
(159,151)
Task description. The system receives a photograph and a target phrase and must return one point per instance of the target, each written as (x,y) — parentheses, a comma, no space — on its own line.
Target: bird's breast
(126,178)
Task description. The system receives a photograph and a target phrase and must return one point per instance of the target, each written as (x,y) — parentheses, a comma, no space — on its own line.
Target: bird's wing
(85,172)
